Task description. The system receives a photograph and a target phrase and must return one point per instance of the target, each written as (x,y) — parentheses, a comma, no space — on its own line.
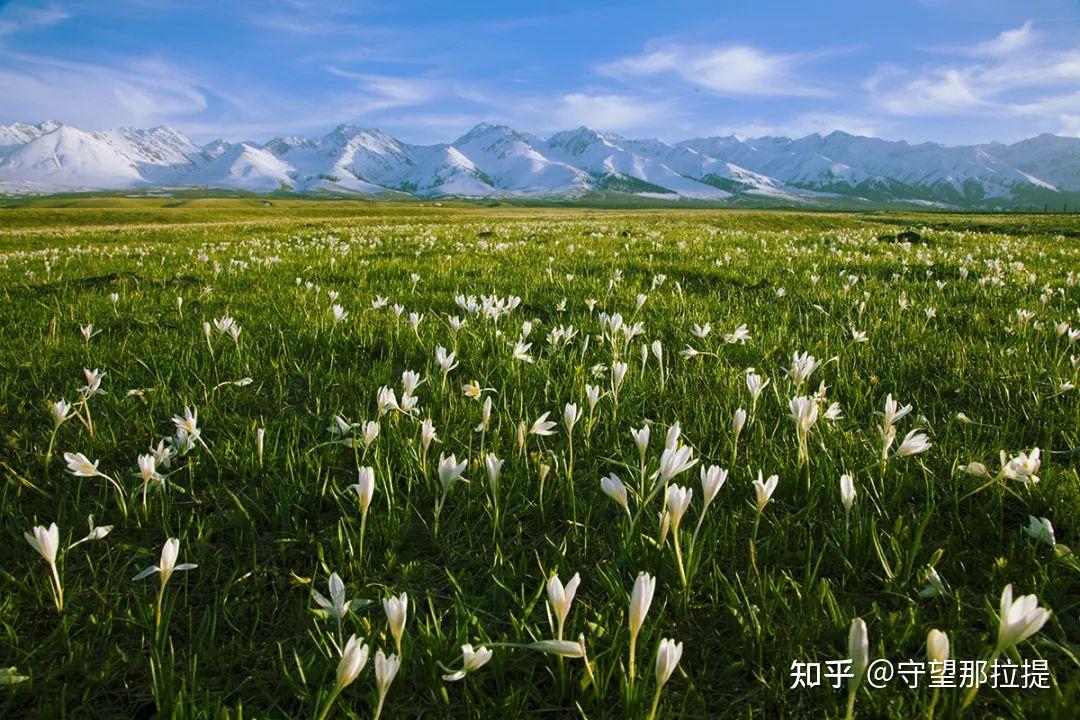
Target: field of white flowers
(610,465)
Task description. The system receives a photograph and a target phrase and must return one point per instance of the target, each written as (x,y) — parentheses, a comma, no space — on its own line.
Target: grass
(238,635)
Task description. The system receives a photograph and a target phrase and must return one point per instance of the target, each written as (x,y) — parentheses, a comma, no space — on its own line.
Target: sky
(949,71)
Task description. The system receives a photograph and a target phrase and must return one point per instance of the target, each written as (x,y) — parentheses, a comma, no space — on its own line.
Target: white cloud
(143,92)
(938,92)
(605,112)
(1006,75)
(726,69)
(385,92)
(1008,41)
(18,16)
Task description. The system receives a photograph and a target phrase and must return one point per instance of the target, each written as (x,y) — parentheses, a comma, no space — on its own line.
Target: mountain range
(496,161)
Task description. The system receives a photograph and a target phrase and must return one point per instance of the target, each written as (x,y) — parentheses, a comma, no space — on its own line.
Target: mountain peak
(487,128)
(494,159)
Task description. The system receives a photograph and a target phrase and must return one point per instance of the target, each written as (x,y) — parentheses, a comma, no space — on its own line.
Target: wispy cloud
(1008,41)
(1013,75)
(605,111)
(143,91)
(18,16)
(1002,76)
(735,69)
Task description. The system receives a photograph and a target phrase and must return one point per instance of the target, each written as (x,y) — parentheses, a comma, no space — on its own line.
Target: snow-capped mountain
(498,161)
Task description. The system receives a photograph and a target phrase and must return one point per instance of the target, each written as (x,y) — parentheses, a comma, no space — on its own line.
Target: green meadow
(432,401)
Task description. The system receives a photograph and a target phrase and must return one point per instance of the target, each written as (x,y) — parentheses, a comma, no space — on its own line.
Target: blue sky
(952,71)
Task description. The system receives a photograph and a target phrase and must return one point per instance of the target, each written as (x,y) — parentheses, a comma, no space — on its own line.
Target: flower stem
(655,702)
(330,702)
(59,589)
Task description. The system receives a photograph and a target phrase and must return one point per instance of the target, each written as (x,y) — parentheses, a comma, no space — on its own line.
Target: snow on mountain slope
(510,162)
(157,146)
(923,165)
(496,160)
(699,166)
(1049,157)
(337,161)
(443,170)
(780,158)
(67,159)
(615,167)
(826,162)
(13,136)
(243,167)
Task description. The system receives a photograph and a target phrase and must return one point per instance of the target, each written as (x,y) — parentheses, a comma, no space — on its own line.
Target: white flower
(858,650)
(493,464)
(397,611)
(96,533)
(802,366)
(676,501)
(641,439)
(571,414)
(641,600)
(542,426)
(189,423)
(913,443)
(561,597)
(975,468)
(562,648)
(1020,618)
(386,400)
(613,487)
(592,394)
(1023,467)
(81,466)
(386,669)
(1041,530)
(410,380)
(445,360)
(450,470)
(93,382)
(667,659)
(712,479)
(934,584)
(353,659)
(46,541)
(754,384)
(804,412)
(365,487)
(61,412)
(427,434)
(893,411)
(472,660)
(764,489)
(167,566)
(337,606)
(739,335)
(148,468)
(674,461)
(937,650)
(847,491)
(673,435)
(618,374)
(738,422)
(521,351)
